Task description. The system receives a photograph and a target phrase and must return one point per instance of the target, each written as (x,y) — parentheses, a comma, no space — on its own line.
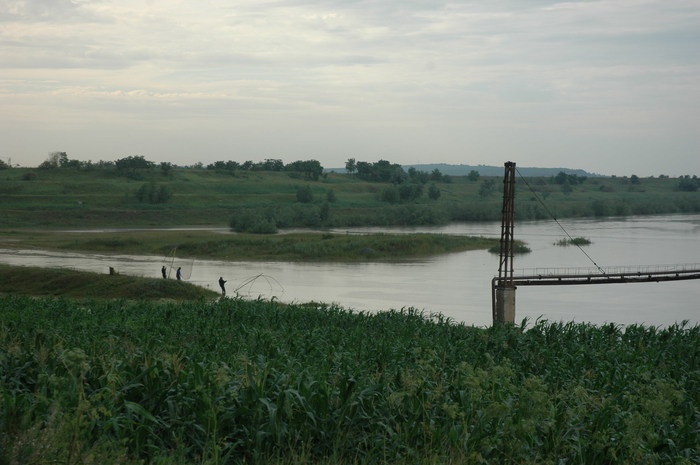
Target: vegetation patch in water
(578,241)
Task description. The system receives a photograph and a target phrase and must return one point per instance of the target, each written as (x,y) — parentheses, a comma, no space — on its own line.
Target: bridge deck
(568,276)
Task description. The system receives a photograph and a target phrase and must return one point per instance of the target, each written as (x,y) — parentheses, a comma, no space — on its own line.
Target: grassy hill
(260,201)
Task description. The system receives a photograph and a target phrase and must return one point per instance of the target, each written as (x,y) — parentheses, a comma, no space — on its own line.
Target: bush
(433,192)
(410,192)
(487,188)
(573,241)
(305,194)
(391,194)
(151,193)
(253,222)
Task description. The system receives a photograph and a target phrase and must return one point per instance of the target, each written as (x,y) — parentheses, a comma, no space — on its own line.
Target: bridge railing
(587,271)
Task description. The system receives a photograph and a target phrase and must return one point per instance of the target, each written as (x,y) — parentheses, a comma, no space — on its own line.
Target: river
(459,285)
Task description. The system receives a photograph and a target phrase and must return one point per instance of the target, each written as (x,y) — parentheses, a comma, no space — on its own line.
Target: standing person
(221,284)
(178,275)
(162,270)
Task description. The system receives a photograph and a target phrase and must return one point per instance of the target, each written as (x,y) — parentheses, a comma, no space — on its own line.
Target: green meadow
(269,200)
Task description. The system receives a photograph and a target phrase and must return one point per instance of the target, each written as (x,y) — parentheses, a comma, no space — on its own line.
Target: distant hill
(486,170)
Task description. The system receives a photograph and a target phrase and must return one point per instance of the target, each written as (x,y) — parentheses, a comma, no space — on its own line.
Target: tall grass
(236,381)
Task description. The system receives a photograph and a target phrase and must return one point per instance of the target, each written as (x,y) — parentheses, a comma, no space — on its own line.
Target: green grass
(287,247)
(80,284)
(68,198)
(256,382)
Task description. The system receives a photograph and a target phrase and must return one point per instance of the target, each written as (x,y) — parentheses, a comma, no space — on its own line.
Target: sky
(611,87)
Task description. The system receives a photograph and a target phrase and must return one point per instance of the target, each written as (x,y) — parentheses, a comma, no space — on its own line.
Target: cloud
(597,69)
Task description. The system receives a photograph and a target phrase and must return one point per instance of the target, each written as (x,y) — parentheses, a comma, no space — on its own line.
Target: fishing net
(172,263)
(259,286)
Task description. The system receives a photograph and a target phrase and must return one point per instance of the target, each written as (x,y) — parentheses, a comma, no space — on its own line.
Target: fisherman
(221,284)
(162,270)
(178,275)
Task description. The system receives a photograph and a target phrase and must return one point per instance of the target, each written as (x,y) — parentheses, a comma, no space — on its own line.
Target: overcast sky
(612,87)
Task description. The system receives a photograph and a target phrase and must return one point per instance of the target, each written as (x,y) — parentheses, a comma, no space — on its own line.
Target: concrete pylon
(504,311)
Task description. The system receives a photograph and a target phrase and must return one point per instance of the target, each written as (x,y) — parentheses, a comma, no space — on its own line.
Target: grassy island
(287,247)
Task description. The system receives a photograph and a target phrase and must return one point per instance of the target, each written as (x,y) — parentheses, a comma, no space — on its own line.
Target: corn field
(257,382)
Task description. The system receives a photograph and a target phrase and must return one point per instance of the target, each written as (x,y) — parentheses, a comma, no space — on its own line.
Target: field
(76,198)
(233,381)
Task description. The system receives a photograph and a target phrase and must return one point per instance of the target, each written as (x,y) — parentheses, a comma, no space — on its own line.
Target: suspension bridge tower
(503,293)
(503,286)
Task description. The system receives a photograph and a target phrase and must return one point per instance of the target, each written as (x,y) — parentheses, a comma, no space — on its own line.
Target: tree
(634,179)
(4,166)
(166,168)
(688,184)
(381,171)
(272,164)
(350,165)
(473,176)
(129,166)
(54,160)
(561,178)
(311,169)
(63,161)
(417,176)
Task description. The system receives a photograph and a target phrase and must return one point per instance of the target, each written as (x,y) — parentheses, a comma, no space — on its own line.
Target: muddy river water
(459,285)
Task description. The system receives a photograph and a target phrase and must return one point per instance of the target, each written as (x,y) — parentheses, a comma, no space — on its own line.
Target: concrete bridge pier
(504,304)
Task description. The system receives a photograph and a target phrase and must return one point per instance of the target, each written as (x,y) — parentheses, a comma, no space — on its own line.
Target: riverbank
(33,281)
(251,247)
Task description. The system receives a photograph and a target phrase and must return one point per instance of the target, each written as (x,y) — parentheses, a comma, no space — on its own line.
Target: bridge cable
(557,221)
